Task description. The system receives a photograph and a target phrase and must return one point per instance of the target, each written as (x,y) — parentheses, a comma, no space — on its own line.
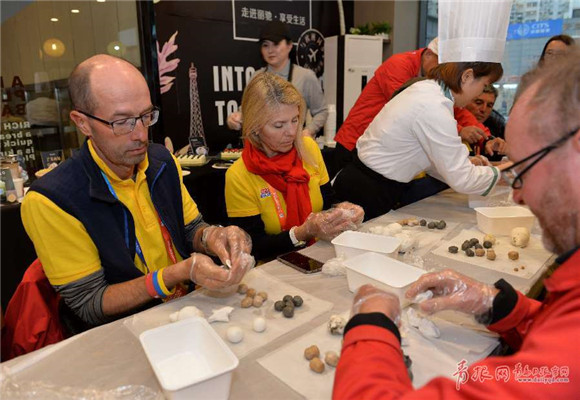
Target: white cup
(19,187)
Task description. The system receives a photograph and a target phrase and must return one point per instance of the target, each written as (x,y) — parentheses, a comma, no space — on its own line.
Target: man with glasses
(114,226)
(544,335)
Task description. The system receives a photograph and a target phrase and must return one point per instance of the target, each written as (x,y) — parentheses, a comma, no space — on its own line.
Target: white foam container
(383,272)
(351,243)
(501,220)
(190,360)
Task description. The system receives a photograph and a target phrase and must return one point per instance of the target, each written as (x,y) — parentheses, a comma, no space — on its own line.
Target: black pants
(340,157)
(378,195)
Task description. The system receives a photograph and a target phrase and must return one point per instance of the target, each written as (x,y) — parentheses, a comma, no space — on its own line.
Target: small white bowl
(190,360)
(383,272)
(501,220)
(351,243)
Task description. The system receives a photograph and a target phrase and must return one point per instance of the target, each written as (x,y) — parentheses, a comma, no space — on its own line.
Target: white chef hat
(434,46)
(473,30)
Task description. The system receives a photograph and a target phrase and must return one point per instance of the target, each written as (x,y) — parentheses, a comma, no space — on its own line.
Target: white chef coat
(416,132)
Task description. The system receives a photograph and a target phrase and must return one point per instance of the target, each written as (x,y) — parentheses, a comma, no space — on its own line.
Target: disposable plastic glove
(369,299)
(325,225)
(355,212)
(453,291)
(229,243)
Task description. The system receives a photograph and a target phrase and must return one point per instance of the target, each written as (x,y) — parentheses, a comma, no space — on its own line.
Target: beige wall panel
(82,31)
(63,32)
(105,25)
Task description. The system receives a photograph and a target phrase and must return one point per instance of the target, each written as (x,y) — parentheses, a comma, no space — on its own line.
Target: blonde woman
(278,189)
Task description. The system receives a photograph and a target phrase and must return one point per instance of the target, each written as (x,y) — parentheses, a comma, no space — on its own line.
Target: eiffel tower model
(196,134)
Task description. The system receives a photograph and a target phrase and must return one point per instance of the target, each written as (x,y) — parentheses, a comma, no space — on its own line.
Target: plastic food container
(383,272)
(350,244)
(501,220)
(190,360)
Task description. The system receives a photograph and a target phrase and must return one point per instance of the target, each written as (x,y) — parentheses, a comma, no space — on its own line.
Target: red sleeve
(393,73)
(514,327)
(371,365)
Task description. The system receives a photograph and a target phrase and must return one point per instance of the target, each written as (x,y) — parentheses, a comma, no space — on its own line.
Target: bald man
(114,226)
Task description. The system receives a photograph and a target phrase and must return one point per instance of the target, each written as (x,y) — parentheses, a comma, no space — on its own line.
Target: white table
(111,356)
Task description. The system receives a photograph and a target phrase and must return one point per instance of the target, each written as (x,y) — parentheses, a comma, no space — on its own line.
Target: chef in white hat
(416,131)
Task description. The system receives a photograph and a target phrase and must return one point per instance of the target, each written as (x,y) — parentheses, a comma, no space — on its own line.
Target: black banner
(220,38)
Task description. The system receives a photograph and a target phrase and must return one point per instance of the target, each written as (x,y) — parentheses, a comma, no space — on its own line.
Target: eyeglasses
(514,179)
(127,125)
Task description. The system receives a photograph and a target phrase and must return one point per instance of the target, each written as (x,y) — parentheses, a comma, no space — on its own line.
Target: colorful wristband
(150,286)
(166,292)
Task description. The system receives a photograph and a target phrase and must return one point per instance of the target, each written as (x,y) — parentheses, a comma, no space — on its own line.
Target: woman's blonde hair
(263,95)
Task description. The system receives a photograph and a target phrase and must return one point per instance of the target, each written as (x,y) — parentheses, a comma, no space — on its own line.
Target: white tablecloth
(111,356)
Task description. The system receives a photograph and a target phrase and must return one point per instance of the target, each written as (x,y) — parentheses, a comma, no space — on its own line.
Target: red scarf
(286,174)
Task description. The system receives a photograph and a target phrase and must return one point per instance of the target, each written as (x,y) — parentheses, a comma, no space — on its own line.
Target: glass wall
(42,41)
(532,23)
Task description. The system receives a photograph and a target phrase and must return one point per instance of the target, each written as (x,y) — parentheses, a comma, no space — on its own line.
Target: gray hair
(556,100)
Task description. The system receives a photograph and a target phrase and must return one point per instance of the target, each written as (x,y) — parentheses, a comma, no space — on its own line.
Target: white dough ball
(235,334)
(408,241)
(520,237)
(174,316)
(394,228)
(190,311)
(259,324)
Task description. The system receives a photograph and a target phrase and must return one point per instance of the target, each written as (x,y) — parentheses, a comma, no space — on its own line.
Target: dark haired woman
(415,132)
(275,47)
(555,47)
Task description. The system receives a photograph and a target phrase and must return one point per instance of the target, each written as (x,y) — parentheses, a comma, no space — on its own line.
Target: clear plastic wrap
(16,390)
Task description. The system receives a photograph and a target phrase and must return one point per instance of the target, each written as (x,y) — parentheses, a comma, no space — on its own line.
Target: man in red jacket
(389,77)
(544,335)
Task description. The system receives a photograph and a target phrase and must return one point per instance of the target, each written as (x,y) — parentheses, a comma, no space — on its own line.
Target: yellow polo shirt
(65,248)
(247,194)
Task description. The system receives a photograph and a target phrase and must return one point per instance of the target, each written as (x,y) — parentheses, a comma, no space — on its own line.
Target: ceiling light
(54,19)
(116,48)
(54,47)
(101,1)
(75,11)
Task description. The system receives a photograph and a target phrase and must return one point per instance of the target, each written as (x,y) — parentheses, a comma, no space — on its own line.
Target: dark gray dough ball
(288,312)
(423,222)
(453,249)
(431,225)
(469,253)
(297,300)
(287,298)
(279,305)
(487,244)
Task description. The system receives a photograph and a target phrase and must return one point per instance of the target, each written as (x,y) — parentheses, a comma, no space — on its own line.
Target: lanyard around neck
(137,245)
(164,231)
(279,211)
